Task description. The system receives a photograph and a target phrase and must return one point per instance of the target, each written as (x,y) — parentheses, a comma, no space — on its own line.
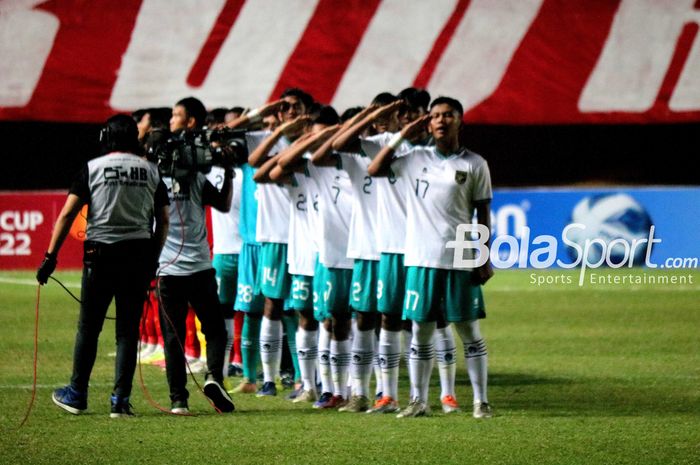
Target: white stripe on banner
(166,42)
(390,56)
(478,56)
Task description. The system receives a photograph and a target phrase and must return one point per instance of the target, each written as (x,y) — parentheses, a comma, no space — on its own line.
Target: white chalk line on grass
(31,282)
(46,386)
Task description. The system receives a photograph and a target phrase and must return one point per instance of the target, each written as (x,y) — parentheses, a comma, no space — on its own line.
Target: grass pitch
(602,373)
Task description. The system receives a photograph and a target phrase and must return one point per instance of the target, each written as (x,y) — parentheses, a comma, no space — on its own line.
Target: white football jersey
(302,249)
(273,199)
(440,195)
(227,237)
(335,208)
(363,222)
(391,198)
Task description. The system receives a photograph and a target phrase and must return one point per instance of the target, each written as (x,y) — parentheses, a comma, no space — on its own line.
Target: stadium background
(565,99)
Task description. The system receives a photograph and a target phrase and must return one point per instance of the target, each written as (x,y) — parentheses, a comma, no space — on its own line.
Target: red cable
(36,353)
(172,326)
(144,389)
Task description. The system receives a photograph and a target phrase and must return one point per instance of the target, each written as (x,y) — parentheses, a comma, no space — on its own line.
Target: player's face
(408,114)
(270,123)
(291,108)
(389,123)
(444,122)
(178,120)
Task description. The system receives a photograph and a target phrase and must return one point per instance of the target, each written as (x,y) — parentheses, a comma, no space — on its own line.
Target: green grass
(594,374)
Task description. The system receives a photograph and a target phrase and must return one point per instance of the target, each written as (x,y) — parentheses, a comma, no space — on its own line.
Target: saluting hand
(270,108)
(386,109)
(292,128)
(415,128)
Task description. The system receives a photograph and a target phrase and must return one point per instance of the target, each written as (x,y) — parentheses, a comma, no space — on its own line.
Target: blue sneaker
(322,401)
(120,407)
(295,393)
(268,389)
(70,400)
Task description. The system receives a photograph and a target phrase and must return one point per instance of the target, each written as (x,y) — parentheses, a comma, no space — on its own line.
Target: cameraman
(125,195)
(186,273)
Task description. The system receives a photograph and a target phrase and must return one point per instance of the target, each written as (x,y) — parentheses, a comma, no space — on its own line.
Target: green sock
(250,346)
(291,323)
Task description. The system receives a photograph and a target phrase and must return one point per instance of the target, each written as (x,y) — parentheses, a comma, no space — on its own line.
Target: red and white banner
(26,223)
(507,61)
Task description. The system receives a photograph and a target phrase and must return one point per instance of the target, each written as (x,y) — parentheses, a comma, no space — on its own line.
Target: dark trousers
(199,289)
(120,271)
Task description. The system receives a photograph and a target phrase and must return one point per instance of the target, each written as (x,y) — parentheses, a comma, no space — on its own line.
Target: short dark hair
(350,112)
(303,97)
(327,115)
(155,140)
(160,117)
(384,98)
(194,108)
(448,101)
(138,114)
(415,98)
(238,110)
(120,134)
(216,116)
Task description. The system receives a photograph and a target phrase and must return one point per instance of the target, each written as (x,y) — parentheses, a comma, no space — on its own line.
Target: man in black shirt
(125,196)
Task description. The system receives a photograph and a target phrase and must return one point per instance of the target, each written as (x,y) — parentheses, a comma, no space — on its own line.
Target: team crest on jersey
(461,177)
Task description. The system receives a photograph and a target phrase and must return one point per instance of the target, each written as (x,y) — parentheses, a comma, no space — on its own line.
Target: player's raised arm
(380,164)
(322,155)
(293,154)
(259,155)
(349,139)
(262,175)
(255,115)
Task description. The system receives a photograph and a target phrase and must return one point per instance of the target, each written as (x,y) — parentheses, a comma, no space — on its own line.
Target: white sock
(476,357)
(229,343)
(340,366)
(307,353)
(389,356)
(405,341)
(270,348)
(324,359)
(378,383)
(446,354)
(421,361)
(362,358)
